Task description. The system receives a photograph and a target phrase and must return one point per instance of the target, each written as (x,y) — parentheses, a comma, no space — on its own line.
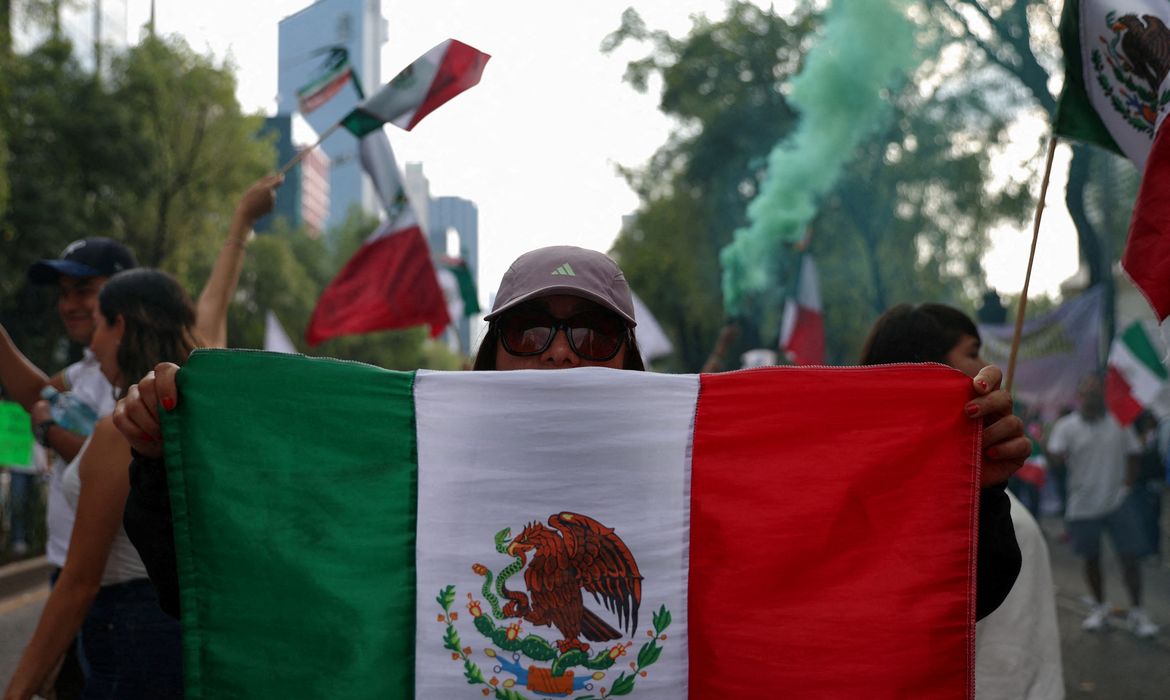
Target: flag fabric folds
(464,284)
(396,535)
(1136,379)
(1115,96)
(335,73)
(802,328)
(275,337)
(390,282)
(435,77)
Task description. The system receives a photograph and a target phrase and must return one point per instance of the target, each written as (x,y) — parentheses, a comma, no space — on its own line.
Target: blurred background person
(1101,459)
(131,648)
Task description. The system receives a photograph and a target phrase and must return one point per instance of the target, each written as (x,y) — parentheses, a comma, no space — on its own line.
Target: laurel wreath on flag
(1141,107)
(536,647)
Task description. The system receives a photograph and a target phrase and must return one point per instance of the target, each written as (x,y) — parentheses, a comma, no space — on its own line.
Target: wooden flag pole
(305,151)
(1011,368)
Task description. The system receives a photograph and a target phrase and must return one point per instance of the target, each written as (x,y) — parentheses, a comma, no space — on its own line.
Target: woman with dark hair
(1017,647)
(131,648)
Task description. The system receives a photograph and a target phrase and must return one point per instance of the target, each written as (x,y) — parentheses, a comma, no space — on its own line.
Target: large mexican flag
(1116,96)
(347,531)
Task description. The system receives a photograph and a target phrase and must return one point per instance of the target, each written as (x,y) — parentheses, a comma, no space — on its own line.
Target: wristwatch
(41,431)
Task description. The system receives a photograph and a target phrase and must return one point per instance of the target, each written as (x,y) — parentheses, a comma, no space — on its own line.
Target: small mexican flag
(587,533)
(1137,378)
(336,71)
(1115,96)
(464,293)
(435,77)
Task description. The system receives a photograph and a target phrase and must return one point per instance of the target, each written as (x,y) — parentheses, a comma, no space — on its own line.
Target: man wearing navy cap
(79,273)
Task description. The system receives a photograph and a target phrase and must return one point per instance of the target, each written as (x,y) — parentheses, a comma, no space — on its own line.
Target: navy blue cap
(89,257)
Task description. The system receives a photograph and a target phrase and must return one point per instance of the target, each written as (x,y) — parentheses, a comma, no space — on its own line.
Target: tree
(154,155)
(1019,39)
(907,220)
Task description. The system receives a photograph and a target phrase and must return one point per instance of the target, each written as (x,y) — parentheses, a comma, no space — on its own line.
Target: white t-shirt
(1017,647)
(123,564)
(86,381)
(1096,453)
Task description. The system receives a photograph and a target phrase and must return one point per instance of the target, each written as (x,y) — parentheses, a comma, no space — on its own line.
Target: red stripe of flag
(1119,397)
(874,599)
(461,68)
(1147,252)
(390,282)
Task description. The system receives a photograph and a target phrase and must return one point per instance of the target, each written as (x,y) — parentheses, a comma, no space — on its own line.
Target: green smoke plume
(866,49)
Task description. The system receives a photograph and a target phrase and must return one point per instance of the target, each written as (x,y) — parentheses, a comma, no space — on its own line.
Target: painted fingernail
(982,384)
(146,438)
(168,403)
(972,410)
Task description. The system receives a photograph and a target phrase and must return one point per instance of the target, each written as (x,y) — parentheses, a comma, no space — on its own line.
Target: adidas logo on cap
(565,269)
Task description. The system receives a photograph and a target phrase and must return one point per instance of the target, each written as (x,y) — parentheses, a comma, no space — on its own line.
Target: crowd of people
(110,626)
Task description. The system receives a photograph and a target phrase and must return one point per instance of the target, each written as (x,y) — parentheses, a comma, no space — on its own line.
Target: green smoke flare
(866,49)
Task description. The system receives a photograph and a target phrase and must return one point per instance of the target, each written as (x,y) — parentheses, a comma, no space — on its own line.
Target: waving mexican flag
(1117,57)
(346,531)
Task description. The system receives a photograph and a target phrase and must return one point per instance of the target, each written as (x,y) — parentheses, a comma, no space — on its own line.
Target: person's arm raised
(21,379)
(211,309)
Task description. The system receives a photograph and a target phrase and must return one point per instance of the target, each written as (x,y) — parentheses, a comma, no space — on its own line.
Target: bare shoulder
(106,447)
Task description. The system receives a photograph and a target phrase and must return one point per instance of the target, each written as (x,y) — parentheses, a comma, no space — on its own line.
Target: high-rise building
(451,225)
(303,199)
(308,41)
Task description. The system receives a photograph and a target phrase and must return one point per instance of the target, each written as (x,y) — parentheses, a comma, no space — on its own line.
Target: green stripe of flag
(360,123)
(1075,116)
(1142,349)
(467,289)
(310,508)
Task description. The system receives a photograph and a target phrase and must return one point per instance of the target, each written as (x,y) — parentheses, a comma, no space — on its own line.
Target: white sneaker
(1098,618)
(1140,624)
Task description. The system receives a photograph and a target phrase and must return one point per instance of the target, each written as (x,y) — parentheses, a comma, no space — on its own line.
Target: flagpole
(1011,368)
(305,151)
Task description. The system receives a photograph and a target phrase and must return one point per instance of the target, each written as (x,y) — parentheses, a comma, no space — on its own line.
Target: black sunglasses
(594,335)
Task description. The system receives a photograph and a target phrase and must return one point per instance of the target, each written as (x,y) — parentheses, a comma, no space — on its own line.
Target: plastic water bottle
(69,411)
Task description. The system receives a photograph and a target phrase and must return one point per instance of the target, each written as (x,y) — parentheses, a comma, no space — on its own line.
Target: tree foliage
(906,222)
(155,152)
(1018,39)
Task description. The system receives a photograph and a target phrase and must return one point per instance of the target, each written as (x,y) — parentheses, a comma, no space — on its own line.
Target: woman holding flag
(1017,649)
(557,308)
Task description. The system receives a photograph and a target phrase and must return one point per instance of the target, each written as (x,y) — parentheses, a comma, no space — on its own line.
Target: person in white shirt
(1101,458)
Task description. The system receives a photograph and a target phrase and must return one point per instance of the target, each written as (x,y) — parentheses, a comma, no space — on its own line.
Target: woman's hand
(1005,446)
(137,414)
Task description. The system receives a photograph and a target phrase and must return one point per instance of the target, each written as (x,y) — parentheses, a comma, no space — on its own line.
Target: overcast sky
(536,143)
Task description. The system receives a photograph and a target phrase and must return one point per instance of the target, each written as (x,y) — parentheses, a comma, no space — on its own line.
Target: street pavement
(1111,665)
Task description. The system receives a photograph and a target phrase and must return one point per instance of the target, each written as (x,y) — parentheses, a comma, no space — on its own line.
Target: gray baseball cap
(564,269)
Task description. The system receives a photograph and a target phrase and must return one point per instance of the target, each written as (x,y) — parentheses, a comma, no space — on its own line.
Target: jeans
(132,648)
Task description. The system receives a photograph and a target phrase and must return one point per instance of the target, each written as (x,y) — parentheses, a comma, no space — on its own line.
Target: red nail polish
(972,410)
(982,385)
(146,438)
(168,403)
